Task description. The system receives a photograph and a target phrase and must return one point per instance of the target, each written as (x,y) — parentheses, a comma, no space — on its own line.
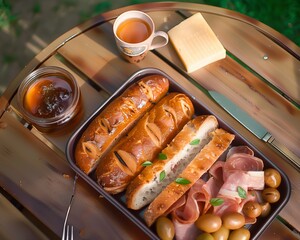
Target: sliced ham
(256,180)
(187,231)
(241,169)
(246,180)
(216,171)
(180,202)
(186,211)
(243,162)
(190,210)
(240,149)
(230,187)
(210,190)
(229,205)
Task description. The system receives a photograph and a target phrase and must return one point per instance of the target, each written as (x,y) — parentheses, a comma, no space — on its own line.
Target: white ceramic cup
(135,52)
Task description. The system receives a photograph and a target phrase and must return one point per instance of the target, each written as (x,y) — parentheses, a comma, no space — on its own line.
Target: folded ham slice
(216,171)
(187,210)
(241,162)
(240,149)
(186,231)
(241,169)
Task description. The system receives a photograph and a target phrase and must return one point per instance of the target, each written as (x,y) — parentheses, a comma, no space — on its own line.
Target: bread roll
(117,118)
(183,148)
(151,134)
(195,169)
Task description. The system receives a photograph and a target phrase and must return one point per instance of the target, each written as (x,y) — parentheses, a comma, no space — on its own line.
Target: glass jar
(48,98)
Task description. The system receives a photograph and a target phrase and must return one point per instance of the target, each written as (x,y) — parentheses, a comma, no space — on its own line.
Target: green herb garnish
(182,181)
(216,201)
(162,156)
(147,163)
(242,193)
(195,142)
(162,175)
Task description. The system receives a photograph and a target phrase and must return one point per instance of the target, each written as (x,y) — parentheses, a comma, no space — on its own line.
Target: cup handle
(163,35)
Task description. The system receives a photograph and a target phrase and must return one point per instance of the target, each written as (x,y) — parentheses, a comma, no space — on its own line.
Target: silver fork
(68,231)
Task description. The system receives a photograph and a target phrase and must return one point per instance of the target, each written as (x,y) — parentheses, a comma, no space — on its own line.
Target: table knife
(252,125)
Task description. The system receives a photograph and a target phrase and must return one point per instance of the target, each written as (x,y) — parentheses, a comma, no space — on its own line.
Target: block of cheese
(196,43)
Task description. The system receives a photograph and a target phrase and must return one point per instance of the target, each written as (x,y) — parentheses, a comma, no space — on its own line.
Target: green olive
(252,209)
(271,195)
(240,234)
(205,236)
(272,178)
(221,234)
(265,209)
(165,228)
(209,223)
(233,220)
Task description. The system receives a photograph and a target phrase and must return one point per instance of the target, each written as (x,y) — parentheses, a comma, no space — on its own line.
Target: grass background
(282,15)
(26,27)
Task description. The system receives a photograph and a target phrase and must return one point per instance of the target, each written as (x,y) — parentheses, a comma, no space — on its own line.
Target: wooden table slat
(260,53)
(46,191)
(44,165)
(14,225)
(266,106)
(37,173)
(101,63)
(90,101)
(247,90)
(279,231)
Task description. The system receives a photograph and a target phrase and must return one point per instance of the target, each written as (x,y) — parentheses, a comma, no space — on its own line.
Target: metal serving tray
(137,216)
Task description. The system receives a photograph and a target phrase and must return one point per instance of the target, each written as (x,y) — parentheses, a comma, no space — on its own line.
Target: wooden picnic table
(260,74)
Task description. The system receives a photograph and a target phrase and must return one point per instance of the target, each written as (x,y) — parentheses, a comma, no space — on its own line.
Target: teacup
(134,32)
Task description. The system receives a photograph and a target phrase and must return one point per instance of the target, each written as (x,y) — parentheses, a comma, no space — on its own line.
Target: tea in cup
(134,32)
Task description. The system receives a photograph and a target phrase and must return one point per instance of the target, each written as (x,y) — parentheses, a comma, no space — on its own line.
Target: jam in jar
(49,97)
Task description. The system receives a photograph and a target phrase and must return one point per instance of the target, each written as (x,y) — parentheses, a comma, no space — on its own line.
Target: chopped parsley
(162,156)
(216,201)
(162,175)
(147,163)
(195,142)
(182,181)
(242,192)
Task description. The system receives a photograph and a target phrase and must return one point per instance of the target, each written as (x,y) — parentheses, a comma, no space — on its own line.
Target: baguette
(183,148)
(197,167)
(151,134)
(117,118)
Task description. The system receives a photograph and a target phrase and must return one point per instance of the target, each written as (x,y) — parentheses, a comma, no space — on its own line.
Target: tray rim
(115,202)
